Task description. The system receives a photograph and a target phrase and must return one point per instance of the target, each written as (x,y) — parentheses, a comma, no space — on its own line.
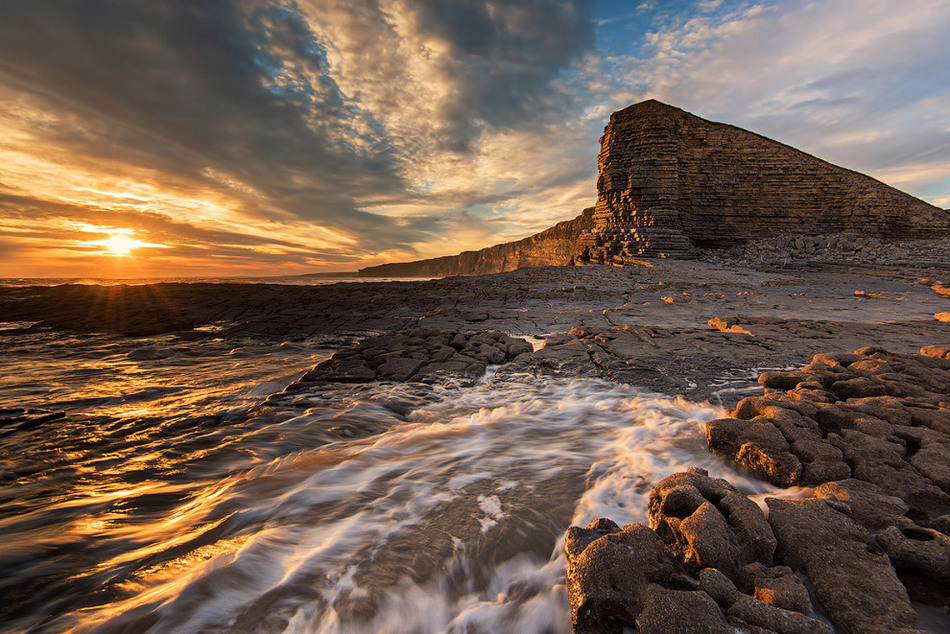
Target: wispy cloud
(275,135)
(863,85)
(297,122)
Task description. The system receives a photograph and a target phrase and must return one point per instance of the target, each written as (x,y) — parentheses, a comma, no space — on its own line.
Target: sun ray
(121,243)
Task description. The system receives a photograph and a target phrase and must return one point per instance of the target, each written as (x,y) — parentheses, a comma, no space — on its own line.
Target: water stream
(176,496)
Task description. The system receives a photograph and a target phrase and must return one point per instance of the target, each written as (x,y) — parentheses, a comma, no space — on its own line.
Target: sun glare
(120,244)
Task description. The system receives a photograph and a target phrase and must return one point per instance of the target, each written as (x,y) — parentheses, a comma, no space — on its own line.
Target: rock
(707,523)
(921,551)
(938,352)
(759,447)
(857,388)
(786,592)
(882,462)
(892,430)
(398,368)
(556,246)
(822,461)
(782,380)
(719,587)
(869,505)
(723,325)
(844,359)
(769,617)
(419,354)
(658,165)
(851,577)
(680,612)
(577,538)
(622,574)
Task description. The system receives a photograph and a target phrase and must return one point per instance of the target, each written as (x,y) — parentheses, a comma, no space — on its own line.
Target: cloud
(338,134)
(308,115)
(862,85)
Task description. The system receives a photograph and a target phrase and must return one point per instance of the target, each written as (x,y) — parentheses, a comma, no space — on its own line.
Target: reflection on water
(176,496)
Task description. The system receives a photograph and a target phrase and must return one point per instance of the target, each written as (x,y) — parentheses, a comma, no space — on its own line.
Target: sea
(170,484)
(293,280)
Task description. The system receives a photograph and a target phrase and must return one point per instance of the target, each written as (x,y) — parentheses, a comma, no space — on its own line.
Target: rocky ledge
(871,431)
(419,354)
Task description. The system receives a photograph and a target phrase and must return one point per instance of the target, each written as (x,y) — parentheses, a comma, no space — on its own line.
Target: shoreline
(692,329)
(673,326)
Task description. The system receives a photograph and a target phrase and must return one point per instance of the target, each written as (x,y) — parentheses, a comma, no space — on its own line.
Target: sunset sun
(120,244)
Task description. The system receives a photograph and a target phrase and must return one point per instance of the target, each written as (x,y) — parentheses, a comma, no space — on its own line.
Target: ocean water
(292,280)
(185,491)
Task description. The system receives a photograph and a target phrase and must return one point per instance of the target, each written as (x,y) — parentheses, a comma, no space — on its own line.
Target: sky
(274,137)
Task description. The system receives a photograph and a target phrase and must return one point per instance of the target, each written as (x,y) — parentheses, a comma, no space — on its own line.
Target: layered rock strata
(557,246)
(669,180)
(872,430)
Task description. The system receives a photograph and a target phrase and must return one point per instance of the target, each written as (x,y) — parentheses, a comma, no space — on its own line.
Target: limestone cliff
(669,180)
(556,246)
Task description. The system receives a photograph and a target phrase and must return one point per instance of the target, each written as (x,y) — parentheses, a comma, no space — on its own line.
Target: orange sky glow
(274,138)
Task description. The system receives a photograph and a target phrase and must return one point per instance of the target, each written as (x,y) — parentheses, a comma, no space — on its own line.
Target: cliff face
(670,180)
(556,246)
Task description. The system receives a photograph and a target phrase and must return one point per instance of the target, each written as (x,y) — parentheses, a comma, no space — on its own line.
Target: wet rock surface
(851,577)
(418,355)
(626,578)
(689,573)
(876,416)
(870,537)
(707,523)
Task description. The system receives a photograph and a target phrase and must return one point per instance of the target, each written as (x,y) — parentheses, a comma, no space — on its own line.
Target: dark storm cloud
(246,89)
(504,55)
(192,83)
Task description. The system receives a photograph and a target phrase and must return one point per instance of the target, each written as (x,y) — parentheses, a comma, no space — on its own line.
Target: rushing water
(185,492)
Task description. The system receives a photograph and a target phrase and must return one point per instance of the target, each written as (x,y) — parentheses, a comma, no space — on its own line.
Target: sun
(120,244)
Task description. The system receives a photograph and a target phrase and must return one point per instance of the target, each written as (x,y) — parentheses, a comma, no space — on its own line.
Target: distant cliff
(670,181)
(556,246)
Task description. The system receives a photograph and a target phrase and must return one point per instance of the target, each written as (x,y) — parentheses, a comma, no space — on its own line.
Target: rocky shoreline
(858,434)
(869,431)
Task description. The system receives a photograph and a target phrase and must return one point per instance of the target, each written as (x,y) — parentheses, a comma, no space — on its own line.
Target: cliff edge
(556,246)
(670,182)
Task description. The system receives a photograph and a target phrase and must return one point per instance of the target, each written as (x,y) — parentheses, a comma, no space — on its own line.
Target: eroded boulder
(626,578)
(851,577)
(706,523)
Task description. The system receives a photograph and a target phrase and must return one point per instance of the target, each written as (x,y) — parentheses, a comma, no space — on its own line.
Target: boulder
(786,592)
(626,578)
(922,551)
(759,447)
(869,505)
(852,579)
(771,618)
(719,587)
(680,612)
(707,523)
